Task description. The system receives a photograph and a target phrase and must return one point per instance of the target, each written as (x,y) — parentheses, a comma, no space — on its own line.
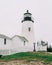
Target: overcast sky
(11,14)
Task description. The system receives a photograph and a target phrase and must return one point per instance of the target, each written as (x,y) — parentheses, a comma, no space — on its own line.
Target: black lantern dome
(27,17)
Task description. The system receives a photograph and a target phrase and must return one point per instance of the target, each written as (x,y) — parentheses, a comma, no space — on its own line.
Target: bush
(49,49)
(0,56)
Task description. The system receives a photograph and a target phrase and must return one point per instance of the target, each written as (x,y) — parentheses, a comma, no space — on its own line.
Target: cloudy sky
(11,14)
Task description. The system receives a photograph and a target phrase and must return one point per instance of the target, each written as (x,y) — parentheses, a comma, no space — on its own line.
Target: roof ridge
(21,37)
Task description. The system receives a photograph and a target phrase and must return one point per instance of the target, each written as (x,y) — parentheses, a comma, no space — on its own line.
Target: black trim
(27,20)
(27,13)
(5,41)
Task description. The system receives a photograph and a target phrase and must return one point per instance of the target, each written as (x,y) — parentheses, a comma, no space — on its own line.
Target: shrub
(49,49)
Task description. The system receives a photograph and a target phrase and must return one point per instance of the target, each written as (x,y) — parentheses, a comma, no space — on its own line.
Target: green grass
(41,56)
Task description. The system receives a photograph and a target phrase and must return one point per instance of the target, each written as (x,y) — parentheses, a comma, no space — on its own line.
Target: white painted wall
(28,35)
(5,48)
(41,47)
(17,45)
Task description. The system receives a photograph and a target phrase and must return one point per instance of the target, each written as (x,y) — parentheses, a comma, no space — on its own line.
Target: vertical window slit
(24,43)
(29,29)
(5,41)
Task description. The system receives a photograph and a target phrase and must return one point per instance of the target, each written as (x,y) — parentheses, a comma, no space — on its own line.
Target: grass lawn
(41,56)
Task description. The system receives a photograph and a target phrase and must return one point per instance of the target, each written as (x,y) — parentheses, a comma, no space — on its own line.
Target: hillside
(40,58)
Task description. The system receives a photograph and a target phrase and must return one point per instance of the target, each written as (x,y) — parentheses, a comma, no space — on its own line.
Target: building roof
(4,36)
(27,13)
(21,37)
(27,17)
(42,43)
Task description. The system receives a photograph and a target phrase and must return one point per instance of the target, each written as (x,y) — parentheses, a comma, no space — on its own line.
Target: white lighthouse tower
(28,30)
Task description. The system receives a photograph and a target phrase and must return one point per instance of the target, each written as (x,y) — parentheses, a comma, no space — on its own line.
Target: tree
(49,49)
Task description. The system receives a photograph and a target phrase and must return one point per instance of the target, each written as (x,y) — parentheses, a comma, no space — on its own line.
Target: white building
(42,46)
(23,43)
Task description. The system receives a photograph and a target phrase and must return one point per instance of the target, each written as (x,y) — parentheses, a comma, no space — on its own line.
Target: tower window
(27,18)
(24,43)
(29,29)
(5,41)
